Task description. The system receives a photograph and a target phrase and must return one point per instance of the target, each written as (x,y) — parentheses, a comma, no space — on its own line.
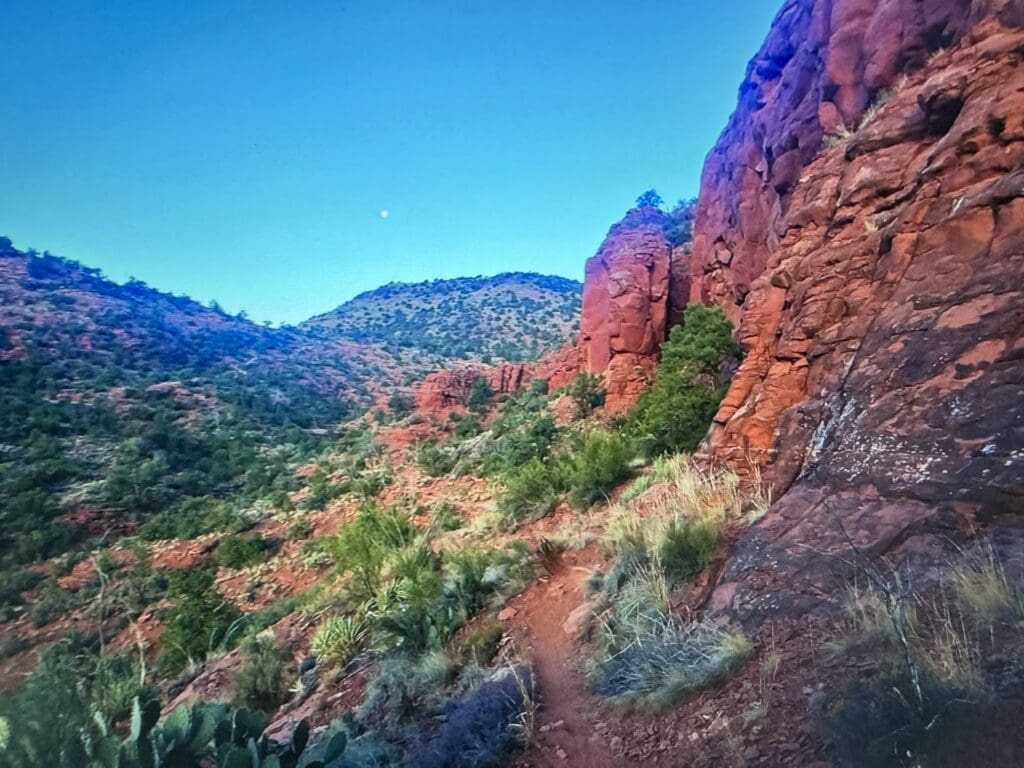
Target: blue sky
(244,151)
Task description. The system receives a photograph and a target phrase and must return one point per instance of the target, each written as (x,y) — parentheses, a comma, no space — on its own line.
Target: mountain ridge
(516,316)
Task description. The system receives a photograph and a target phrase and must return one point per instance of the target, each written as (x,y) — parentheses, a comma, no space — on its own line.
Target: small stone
(507,614)
(562,754)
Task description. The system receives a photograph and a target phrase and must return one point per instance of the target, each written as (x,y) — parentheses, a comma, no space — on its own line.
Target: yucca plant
(338,639)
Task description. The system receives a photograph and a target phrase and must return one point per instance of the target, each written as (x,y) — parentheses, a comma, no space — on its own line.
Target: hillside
(124,406)
(513,316)
(107,387)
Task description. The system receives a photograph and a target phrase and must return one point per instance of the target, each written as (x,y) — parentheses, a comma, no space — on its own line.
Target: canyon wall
(862,222)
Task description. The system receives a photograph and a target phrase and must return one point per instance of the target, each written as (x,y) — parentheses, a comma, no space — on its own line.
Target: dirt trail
(568,726)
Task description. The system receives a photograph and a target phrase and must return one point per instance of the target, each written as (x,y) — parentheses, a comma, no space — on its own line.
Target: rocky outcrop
(822,65)
(625,305)
(877,286)
(441,392)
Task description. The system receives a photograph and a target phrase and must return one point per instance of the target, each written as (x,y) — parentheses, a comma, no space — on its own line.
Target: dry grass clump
(643,654)
(932,646)
(678,528)
(946,631)
(980,585)
(648,658)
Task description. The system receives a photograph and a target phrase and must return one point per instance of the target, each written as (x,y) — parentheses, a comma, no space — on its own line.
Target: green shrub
(434,459)
(260,682)
(679,227)
(429,598)
(479,578)
(677,530)
(321,491)
(649,199)
(300,528)
(531,492)
(57,702)
(371,483)
(480,395)
(51,600)
(467,428)
(200,621)
(538,387)
(193,517)
(400,403)
(13,584)
(587,393)
(686,547)
(446,517)
(675,413)
(242,551)
(529,436)
(409,614)
(362,547)
(269,615)
(597,467)
(637,488)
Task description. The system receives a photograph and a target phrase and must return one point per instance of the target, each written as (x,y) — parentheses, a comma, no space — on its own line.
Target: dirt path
(569,729)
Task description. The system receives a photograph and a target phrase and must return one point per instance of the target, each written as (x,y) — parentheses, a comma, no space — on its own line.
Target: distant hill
(512,316)
(95,333)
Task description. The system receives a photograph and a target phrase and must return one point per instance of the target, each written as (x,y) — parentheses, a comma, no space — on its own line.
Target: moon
(385,213)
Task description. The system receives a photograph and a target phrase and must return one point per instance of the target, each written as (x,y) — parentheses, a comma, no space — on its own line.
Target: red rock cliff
(443,391)
(625,305)
(877,283)
(823,63)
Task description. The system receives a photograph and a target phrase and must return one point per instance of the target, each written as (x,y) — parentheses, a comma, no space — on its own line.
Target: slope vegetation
(513,316)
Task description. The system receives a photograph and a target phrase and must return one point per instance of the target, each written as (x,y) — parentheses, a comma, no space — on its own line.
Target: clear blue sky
(244,151)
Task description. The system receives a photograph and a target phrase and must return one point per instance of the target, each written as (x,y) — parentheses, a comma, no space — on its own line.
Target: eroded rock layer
(441,392)
(882,285)
(824,63)
(625,305)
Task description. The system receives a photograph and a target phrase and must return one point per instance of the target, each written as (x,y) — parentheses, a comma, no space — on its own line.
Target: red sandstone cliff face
(823,63)
(625,305)
(878,286)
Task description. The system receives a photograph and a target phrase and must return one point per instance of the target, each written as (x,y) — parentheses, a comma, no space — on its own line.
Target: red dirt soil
(566,729)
